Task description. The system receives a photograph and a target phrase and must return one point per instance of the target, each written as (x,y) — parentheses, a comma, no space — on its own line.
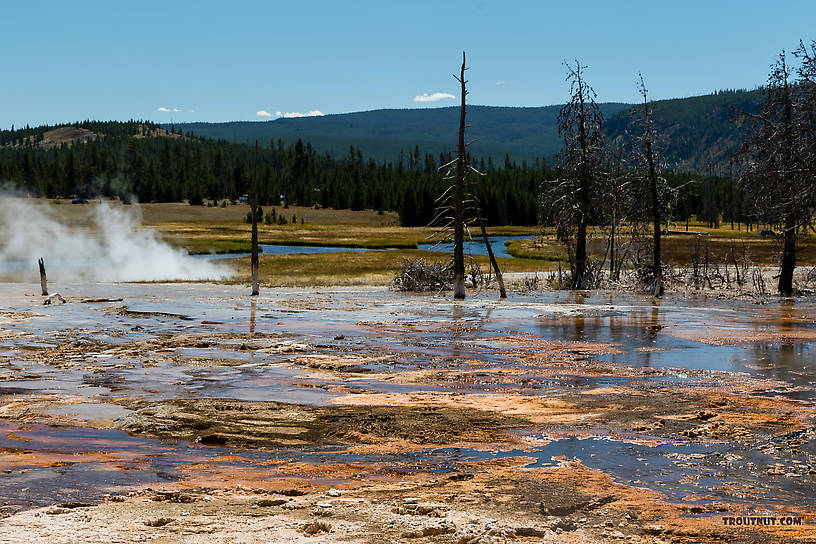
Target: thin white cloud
(169,110)
(293,114)
(425,97)
(263,113)
(500,83)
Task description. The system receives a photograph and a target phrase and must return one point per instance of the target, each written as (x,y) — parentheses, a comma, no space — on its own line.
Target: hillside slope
(523,133)
(695,131)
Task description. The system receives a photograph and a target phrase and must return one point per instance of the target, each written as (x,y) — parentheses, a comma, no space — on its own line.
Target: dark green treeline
(127,159)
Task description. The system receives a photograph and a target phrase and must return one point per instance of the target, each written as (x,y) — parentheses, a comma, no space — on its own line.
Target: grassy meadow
(223,230)
(202,229)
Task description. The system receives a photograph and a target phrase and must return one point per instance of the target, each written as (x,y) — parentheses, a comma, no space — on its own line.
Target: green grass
(365,244)
(163,214)
(222,230)
(350,268)
(208,246)
(197,236)
(542,249)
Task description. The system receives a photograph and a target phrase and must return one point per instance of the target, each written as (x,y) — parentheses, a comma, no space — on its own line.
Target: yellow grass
(352,268)
(202,229)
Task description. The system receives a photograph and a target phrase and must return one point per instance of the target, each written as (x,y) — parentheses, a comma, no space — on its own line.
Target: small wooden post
(43,279)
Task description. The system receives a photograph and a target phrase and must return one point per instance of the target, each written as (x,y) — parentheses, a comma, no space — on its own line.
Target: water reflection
(794,363)
(647,336)
(253,305)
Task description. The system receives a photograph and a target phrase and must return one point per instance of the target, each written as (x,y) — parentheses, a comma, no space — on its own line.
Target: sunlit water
(471,247)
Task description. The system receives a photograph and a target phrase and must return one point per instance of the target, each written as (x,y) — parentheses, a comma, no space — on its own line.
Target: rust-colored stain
(530,419)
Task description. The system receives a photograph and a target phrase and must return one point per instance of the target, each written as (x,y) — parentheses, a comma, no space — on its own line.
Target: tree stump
(43,279)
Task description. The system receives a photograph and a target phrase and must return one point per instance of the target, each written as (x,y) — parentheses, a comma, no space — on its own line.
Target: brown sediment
(18,317)
(660,411)
(340,362)
(724,337)
(207,361)
(390,441)
(36,408)
(127,312)
(570,349)
(76,351)
(270,424)
(497,502)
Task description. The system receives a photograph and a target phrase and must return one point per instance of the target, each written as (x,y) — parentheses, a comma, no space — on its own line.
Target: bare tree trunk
(736,266)
(579,281)
(788,258)
(43,279)
(785,286)
(657,268)
(254,208)
(502,291)
(612,245)
(580,124)
(459,198)
(733,204)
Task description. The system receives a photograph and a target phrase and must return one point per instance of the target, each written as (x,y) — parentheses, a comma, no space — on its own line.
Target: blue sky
(221,61)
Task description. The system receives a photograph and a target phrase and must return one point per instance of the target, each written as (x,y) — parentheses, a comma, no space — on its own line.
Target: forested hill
(122,159)
(524,133)
(695,132)
(134,158)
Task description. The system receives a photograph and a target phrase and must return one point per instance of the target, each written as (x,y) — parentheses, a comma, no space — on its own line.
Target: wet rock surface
(270,424)
(190,413)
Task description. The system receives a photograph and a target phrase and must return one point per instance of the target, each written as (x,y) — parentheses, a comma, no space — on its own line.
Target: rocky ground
(348,417)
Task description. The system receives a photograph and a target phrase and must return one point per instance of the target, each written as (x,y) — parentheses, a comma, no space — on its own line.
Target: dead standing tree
(459,198)
(254,211)
(807,84)
(777,155)
(615,188)
(460,201)
(650,187)
(570,199)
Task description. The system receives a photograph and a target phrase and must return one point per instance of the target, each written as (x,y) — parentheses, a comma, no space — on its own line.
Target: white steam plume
(114,248)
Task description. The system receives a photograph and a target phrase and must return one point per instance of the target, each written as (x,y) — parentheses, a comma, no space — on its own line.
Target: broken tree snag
(493,263)
(654,193)
(254,211)
(43,279)
(459,199)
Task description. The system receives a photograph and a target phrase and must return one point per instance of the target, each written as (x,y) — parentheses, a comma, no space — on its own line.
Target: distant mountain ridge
(523,133)
(696,133)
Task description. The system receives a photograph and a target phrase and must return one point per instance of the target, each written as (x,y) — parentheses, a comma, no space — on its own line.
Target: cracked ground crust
(498,503)
(506,491)
(270,424)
